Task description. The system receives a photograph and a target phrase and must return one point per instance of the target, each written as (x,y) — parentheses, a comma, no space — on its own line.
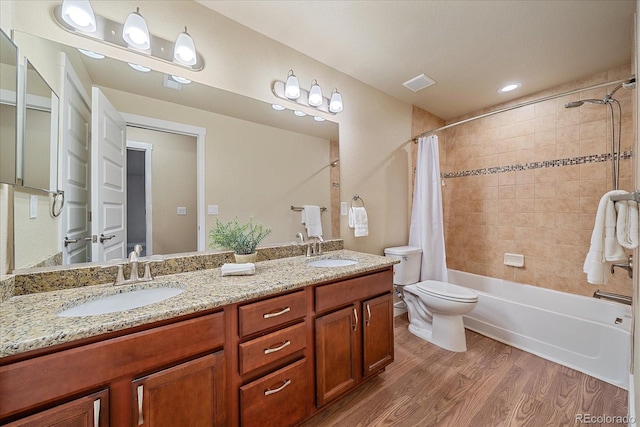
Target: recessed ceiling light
(139,67)
(509,87)
(91,54)
(299,113)
(277,107)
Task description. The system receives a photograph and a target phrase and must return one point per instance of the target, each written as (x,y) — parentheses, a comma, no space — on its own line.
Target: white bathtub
(572,330)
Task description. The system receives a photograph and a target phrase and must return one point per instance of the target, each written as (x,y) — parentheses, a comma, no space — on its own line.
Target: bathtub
(583,333)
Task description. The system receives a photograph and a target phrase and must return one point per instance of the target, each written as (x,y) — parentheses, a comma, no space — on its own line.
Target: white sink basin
(331,262)
(121,302)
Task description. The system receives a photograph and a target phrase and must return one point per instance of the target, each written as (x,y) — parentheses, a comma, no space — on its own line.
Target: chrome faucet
(314,246)
(134,256)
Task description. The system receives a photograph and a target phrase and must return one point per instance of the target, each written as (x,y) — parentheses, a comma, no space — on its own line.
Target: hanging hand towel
(312,220)
(246,269)
(627,224)
(604,245)
(359,220)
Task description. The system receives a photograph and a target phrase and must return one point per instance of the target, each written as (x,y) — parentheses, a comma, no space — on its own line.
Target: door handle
(109,237)
(68,241)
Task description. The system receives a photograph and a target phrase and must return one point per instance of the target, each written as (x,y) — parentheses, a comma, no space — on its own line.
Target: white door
(76,157)
(108,180)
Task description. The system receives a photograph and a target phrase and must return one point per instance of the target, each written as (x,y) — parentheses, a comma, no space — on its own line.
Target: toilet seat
(447,291)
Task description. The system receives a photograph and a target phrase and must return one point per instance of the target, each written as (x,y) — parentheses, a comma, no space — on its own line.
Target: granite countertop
(29,322)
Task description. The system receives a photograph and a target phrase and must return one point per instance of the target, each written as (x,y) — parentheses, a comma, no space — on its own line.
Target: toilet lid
(447,291)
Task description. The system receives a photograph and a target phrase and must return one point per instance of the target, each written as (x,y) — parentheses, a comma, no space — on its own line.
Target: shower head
(575,104)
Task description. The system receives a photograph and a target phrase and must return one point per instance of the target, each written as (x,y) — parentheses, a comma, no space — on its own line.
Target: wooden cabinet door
(87,411)
(190,394)
(337,353)
(377,330)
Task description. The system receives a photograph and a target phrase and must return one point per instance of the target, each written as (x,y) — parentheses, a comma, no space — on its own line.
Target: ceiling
(470,48)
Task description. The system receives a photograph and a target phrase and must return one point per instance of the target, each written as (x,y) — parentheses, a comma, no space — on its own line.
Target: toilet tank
(408,271)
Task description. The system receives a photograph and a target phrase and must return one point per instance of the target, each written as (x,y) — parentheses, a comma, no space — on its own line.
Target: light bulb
(315,95)
(135,31)
(292,88)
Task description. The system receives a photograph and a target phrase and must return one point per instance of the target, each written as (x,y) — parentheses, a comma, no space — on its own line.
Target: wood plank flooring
(492,384)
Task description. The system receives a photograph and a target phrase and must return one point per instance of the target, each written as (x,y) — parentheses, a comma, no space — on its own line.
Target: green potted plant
(241,238)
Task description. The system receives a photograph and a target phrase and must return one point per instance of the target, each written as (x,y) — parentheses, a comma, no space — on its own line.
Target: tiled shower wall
(528,181)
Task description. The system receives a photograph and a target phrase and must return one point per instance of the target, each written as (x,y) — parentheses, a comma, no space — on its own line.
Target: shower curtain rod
(513,107)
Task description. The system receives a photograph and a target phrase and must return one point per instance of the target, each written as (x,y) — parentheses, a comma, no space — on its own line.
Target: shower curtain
(427,226)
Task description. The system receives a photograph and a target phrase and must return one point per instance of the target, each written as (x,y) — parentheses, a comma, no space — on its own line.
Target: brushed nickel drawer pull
(368,315)
(140,396)
(276,390)
(355,325)
(275,349)
(96,413)
(276,313)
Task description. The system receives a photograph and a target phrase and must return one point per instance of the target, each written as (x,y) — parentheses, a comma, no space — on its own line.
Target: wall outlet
(182,210)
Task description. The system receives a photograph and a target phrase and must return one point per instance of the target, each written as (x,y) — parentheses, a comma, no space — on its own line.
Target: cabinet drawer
(278,399)
(272,312)
(348,291)
(269,348)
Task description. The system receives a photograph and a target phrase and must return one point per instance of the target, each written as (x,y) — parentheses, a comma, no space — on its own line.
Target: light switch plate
(212,209)
(343,208)
(33,206)
(182,210)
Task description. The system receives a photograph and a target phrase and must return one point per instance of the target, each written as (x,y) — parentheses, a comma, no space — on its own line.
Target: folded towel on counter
(627,224)
(604,247)
(359,221)
(245,269)
(312,220)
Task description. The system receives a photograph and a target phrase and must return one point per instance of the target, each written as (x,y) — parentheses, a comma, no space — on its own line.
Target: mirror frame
(12,179)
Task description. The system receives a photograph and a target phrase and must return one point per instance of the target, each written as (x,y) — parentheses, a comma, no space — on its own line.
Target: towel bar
(300,208)
(635,196)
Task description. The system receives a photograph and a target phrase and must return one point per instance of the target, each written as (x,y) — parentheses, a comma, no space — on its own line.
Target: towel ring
(57,204)
(356,198)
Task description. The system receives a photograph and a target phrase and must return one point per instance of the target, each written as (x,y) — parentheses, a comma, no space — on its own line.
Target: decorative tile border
(595,158)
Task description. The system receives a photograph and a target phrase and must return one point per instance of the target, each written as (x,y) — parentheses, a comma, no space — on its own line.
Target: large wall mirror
(256,162)
(8,108)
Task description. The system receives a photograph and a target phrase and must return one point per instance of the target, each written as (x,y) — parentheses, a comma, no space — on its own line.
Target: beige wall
(173,174)
(38,240)
(546,214)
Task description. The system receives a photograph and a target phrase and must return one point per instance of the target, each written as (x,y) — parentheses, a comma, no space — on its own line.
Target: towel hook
(356,198)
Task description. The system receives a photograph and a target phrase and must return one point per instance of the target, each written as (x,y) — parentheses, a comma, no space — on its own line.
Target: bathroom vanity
(270,349)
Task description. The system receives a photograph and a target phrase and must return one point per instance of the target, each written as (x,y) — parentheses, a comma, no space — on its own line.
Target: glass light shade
(335,104)
(138,67)
(91,54)
(299,113)
(79,14)
(181,80)
(277,107)
(135,31)
(184,51)
(315,95)
(292,88)
(318,119)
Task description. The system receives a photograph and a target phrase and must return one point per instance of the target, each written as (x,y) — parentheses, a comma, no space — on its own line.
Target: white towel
(245,269)
(312,220)
(627,224)
(359,220)
(604,247)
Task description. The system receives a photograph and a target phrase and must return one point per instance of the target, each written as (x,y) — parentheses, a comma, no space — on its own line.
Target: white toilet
(435,308)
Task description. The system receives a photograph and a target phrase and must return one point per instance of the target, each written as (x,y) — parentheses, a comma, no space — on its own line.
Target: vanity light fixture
(135,31)
(292,87)
(138,67)
(335,104)
(184,50)
(315,94)
(299,113)
(79,14)
(132,35)
(318,119)
(277,107)
(91,54)
(292,92)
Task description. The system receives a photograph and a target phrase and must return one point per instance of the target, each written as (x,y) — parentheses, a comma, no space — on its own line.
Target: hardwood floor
(492,384)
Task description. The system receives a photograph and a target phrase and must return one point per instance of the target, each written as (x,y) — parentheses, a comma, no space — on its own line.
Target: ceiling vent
(418,83)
